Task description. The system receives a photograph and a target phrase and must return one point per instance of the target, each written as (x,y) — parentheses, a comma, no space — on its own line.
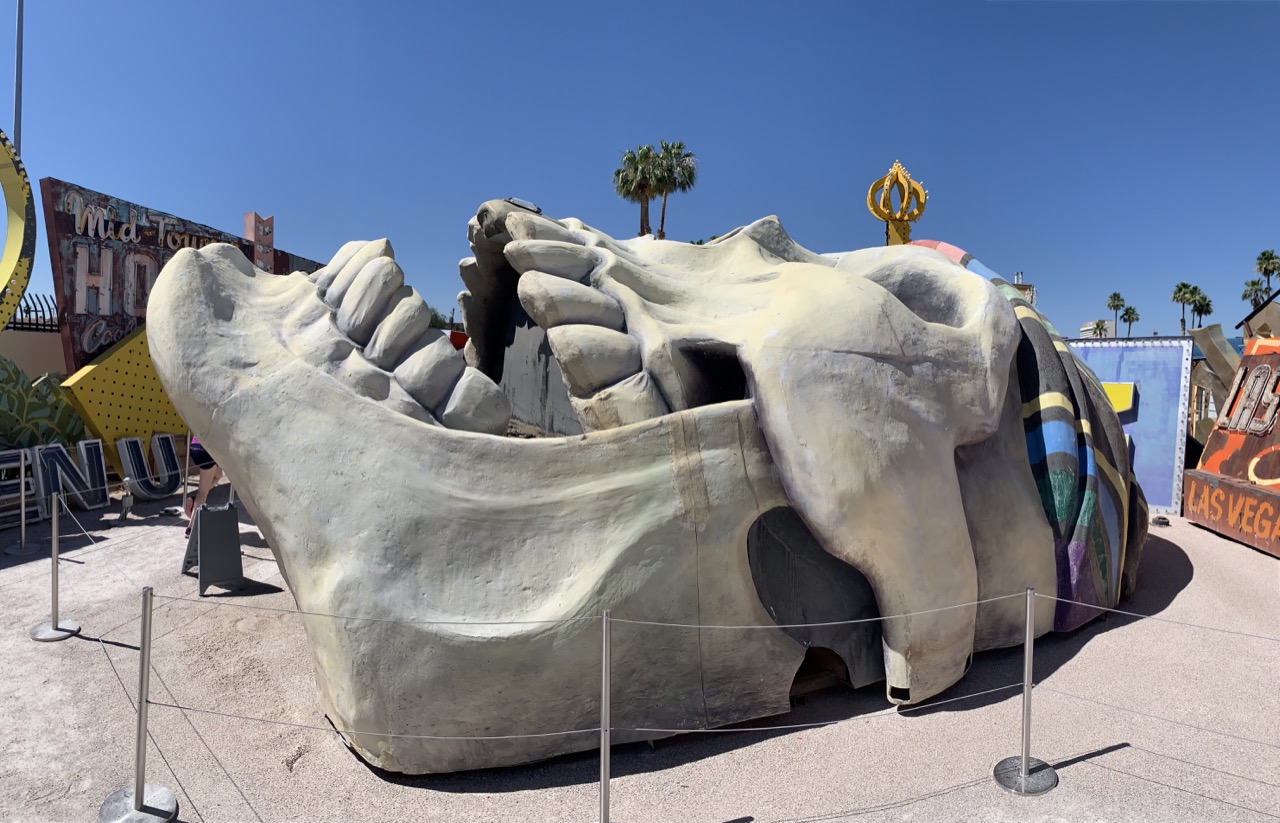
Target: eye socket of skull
(935,294)
(711,372)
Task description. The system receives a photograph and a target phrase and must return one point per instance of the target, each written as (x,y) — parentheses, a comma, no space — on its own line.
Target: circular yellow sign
(20,230)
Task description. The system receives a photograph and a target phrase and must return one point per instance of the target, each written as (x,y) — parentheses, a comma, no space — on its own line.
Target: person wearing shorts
(210,474)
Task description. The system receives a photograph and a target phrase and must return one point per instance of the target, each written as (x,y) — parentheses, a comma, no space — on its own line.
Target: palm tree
(677,170)
(1115,302)
(1202,307)
(635,179)
(1099,328)
(1184,294)
(1268,264)
(1254,292)
(1130,316)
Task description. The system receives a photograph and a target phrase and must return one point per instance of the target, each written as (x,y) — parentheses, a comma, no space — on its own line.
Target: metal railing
(1021,774)
(36,312)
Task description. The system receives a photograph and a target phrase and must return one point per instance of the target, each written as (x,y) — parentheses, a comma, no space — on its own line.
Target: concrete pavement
(1146,720)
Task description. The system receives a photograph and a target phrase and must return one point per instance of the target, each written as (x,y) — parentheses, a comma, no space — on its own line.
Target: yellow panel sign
(119,395)
(19,247)
(1121,396)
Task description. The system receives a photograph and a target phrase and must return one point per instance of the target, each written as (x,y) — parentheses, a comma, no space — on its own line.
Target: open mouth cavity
(772,437)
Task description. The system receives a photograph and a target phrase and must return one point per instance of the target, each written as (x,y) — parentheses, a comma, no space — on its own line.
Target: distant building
(1088,330)
(1028,290)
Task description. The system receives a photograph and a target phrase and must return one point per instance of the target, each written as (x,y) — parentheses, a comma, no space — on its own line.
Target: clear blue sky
(1096,146)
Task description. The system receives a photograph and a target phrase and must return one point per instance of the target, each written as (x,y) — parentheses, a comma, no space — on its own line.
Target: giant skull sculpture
(775,437)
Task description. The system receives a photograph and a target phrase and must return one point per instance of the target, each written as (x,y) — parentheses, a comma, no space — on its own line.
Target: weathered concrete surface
(725,396)
(66,721)
(536,537)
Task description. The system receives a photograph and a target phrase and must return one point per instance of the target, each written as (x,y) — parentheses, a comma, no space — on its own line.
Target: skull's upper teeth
(593,357)
(569,260)
(553,301)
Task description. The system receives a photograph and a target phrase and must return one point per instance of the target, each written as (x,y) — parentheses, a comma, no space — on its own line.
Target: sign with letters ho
(106,254)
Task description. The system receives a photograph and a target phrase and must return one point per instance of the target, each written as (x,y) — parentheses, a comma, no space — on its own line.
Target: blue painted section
(1155,428)
(978,268)
(1054,436)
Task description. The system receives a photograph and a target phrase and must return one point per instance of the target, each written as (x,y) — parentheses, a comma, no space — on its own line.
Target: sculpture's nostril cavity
(898,693)
(801,584)
(715,375)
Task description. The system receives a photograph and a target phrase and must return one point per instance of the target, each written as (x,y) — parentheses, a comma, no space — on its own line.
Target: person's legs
(208,479)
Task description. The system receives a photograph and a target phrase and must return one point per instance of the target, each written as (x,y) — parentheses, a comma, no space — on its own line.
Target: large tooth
(324,275)
(464,305)
(404,326)
(632,400)
(554,301)
(592,357)
(477,405)
(367,299)
(530,226)
(337,289)
(569,260)
(365,378)
(399,400)
(430,373)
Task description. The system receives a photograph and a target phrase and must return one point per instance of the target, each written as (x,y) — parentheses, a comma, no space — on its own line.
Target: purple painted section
(1075,582)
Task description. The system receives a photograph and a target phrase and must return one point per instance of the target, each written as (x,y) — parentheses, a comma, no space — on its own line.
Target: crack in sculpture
(762,422)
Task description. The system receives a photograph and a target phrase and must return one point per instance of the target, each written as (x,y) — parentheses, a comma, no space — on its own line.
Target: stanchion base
(1040,776)
(46,632)
(159,804)
(22,548)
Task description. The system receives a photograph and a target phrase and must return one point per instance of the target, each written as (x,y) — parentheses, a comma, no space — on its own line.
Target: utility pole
(17,88)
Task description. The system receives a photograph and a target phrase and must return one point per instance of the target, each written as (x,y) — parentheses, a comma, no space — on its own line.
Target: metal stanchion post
(605,721)
(22,546)
(1025,774)
(55,629)
(186,469)
(142,802)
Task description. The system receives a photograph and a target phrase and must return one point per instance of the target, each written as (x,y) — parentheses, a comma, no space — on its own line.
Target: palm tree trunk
(644,217)
(1184,319)
(662,220)
(1115,326)
(1129,333)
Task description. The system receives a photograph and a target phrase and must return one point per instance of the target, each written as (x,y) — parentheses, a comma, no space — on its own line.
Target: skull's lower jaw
(467,573)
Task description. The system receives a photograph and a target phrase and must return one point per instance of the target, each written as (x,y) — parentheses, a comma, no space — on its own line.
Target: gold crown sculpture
(911,200)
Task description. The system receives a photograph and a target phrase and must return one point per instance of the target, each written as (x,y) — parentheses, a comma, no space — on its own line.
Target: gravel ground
(1145,720)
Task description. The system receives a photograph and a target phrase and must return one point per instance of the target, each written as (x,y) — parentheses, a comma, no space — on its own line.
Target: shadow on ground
(1166,570)
(80,529)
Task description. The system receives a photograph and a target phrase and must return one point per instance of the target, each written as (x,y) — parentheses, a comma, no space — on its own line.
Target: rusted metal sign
(1236,488)
(1239,510)
(106,253)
